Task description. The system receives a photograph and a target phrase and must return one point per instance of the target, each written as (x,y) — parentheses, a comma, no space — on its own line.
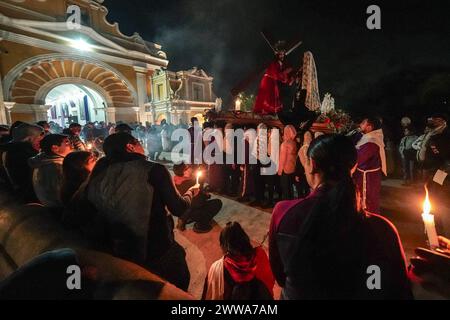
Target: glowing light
(81,45)
(426,203)
(428,220)
(238,104)
(89,146)
(199,174)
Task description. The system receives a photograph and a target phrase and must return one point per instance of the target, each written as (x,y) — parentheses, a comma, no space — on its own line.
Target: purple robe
(369,161)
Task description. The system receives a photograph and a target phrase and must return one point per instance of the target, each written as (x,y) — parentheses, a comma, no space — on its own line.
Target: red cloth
(268,98)
(243,269)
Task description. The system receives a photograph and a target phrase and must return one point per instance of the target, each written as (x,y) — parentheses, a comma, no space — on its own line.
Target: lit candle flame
(199,174)
(426,203)
(428,220)
(238,104)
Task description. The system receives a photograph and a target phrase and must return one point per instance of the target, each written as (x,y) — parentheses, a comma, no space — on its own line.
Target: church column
(167,114)
(174,116)
(150,113)
(3,117)
(9,106)
(137,109)
(141,83)
(111,114)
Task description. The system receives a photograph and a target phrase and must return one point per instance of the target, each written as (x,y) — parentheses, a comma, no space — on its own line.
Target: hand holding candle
(428,220)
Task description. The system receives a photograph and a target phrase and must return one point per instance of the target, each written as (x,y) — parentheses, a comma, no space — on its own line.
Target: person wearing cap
(26,139)
(128,197)
(47,169)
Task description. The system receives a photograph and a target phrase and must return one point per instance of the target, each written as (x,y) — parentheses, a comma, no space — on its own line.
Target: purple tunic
(369,160)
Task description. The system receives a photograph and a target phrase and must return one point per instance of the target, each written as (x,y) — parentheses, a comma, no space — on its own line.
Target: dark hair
(442,116)
(179,169)
(123,127)
(51,140)
(74,125)
(42,123)
(235,241)
(115,149)
(116,144)
(194,119)
(74,173)
(375,122)
(15,125)
(326,259)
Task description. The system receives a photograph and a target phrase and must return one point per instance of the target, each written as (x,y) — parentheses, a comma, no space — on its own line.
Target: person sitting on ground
(321,246)
(47,169)
(243,273)
(26,139)
(77,167)
(128,197)
(203,209)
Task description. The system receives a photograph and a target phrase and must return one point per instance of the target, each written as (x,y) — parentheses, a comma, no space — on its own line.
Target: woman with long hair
(324,246)
(242,273)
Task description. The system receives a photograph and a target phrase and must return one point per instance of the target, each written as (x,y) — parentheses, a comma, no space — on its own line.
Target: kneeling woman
(323,246)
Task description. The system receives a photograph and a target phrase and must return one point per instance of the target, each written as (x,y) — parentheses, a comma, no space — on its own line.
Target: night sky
(400,69)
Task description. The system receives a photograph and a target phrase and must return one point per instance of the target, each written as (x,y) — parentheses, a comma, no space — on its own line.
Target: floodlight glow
(81,45)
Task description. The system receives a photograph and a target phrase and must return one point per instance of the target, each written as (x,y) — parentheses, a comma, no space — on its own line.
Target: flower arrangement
(337,120)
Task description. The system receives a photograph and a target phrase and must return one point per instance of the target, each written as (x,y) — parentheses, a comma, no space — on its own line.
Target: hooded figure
(371,164)
(288,158)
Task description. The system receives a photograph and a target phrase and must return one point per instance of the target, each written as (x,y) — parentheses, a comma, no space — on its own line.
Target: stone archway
(30,82)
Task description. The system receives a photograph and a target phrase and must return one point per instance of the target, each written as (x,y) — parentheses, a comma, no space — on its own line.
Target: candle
(89,146)
(238,104)
(199,174)
(428,220)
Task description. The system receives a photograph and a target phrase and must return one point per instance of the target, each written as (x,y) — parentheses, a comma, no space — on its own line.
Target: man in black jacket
(25,144)
(129,196)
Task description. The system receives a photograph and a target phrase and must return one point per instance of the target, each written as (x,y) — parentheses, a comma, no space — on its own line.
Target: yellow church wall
(54,8)
(17,53)
(25,117)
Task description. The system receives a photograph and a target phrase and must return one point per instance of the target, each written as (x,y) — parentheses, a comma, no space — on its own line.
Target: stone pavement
(401,205)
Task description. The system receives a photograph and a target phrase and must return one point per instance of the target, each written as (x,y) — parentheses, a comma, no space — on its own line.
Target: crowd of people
(102,182)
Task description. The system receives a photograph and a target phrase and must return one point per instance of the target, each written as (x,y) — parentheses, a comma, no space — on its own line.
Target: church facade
(178,96)
(55,67)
